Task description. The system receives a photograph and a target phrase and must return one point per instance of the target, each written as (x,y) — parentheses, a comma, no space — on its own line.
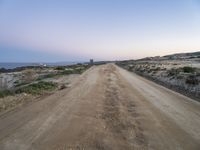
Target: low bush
(192,80)
(63,86)
(60,68)
(188,69)
(21,84)
(51,75)
(37,88)
(174,71)
(67,72)
(5,93)
(154,69)
(180,76)
(157,69)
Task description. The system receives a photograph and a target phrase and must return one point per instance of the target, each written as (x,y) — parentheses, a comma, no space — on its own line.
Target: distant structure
(91,61)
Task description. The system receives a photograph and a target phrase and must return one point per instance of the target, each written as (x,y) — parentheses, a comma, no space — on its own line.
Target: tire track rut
(120,113)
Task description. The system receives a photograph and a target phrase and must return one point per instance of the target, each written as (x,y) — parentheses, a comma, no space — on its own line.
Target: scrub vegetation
(178,72)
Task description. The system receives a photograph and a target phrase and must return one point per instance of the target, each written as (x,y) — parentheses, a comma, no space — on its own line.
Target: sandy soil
(106,108)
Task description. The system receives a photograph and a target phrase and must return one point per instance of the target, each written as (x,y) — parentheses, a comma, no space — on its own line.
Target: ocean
(14,65)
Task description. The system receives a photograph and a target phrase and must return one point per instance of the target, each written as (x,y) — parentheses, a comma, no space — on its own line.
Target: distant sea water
(15,65)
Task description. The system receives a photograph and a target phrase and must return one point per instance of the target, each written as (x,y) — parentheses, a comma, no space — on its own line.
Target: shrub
(66,72)
(37,88)
(180,77)
(174,71)
(51,75)
(63,86)
(188,69)
(21,84)
(60,68)
(192,80)
(154,69)
(157,69)
(5,93)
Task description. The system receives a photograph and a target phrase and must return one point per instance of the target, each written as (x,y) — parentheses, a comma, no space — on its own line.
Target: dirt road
(106,108)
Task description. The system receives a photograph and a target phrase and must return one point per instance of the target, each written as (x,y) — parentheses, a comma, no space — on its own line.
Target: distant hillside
(193,54)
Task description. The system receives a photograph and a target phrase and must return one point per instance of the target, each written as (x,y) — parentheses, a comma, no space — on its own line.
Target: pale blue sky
(69,30)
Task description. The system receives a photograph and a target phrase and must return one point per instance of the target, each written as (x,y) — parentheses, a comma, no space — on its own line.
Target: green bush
(37,88)
(5,93)
(51,75)
(63,72)
(21,84)
(60,68)
(188,69)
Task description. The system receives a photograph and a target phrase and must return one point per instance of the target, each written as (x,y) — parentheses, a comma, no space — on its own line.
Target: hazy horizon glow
(72,30)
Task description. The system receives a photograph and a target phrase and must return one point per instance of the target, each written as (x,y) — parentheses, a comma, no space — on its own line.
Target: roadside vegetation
(36,80)
(5,93)
(65,70)
(181,76)
(35,89)
(22,85)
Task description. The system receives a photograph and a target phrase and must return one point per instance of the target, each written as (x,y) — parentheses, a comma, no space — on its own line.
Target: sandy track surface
(106,108)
